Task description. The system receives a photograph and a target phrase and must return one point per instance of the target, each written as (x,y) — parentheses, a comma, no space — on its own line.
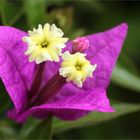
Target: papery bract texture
(71,102)
(15,71)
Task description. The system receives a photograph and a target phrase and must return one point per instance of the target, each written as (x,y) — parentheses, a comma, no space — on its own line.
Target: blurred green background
(78,18)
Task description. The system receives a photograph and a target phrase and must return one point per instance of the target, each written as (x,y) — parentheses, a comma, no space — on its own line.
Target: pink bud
(80,44)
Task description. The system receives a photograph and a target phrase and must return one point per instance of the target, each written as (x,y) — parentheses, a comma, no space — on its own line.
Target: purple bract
(70,102)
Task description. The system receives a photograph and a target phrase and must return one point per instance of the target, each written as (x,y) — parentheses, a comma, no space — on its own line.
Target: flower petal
(104,50)
(70,106)
(72,102)
(15,71)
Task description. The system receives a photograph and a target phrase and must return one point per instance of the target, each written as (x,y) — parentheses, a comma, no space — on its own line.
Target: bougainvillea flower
(76,68)
(70,102)
(45,43)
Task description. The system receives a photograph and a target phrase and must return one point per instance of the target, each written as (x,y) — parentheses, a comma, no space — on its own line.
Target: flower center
(44,44)
(78,67)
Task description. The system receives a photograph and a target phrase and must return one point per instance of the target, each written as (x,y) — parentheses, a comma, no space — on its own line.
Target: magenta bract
(71,102)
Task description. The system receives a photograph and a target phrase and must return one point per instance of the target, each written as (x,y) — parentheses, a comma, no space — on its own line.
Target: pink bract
(71,102)
(80,44)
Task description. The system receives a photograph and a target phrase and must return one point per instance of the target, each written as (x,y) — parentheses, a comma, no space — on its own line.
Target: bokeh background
(78,18)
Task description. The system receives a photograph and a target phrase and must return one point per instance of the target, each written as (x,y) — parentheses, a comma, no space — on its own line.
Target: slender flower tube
(67,89)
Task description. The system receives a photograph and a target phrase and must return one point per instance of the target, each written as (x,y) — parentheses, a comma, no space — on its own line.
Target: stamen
(78,67)
(44,44)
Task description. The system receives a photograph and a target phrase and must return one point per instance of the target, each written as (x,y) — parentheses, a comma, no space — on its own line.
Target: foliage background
(78,18)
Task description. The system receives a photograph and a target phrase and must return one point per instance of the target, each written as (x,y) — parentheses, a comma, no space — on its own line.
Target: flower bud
(80,44)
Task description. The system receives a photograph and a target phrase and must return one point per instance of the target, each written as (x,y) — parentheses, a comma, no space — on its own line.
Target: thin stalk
(42,131)
(49,133)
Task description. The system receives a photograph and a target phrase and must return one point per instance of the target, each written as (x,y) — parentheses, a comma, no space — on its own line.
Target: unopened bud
(80,44)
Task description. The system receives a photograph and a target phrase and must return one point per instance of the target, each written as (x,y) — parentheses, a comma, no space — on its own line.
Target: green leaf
(125,79)
(6,132)
(8,16)
(35,11)
(95,118)
(42,130)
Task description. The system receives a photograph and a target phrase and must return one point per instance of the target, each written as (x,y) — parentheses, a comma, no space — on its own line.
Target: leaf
(125,79)
(35,12)
(6,132)
(95,118)
(43,130)
(8,16)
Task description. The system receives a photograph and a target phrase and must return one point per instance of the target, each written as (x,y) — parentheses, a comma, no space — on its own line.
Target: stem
(49,122)
(42,131)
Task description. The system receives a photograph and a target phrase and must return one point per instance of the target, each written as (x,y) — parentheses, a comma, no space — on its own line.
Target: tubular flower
(38,90)
(76,68)
(45,43)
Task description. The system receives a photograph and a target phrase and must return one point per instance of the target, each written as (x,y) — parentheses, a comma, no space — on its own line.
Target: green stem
(43,130)
(49,123)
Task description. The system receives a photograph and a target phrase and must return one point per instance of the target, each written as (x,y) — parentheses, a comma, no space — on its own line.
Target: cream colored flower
(76,68)
(45,43)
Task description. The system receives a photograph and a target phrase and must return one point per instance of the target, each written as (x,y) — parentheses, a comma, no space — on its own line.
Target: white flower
(45,43)
(76,68)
